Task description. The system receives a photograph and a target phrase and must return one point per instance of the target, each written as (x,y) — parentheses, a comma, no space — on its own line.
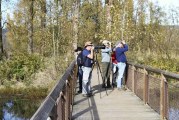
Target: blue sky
(167,3)
(8,7)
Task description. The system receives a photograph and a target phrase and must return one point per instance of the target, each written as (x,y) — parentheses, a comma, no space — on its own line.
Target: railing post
(163,98)
(60,107)
(67,100)
(146,84)
(166,99)
(133,78)
(74,79)
(71,94)
(126,75)
(53,115)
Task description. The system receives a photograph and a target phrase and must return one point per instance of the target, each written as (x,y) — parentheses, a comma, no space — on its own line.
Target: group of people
(115,55)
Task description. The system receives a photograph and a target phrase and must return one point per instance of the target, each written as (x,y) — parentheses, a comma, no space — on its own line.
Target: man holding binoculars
(87,69)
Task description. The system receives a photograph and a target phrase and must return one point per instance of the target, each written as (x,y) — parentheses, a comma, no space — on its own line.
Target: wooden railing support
(58,104)
(133,78)
(146,84)
(163,106)
(163,98)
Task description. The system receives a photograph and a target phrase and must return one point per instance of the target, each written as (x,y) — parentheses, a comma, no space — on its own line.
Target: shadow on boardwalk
(111,104)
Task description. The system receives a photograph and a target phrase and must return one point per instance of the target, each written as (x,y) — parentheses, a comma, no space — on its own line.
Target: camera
(100,47)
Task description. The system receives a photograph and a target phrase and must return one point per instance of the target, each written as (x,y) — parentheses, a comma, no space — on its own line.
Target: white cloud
(167,3)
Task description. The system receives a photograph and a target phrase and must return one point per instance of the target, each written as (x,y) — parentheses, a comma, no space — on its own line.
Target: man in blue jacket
(87,69)
(121,48)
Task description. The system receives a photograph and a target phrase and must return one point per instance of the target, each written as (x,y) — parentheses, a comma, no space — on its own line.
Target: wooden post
(166,99)
(74,79)
(146,84)
(53,114)
(68,101)
(71,95)
(126,75)
(133,79)
(163,98)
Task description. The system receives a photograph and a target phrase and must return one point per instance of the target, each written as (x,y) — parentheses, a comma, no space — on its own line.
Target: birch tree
(108,17)
(75,22)
(1,40)
(30,27)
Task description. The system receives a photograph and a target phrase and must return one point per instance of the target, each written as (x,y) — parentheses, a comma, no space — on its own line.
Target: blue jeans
(121,67)
(86,84)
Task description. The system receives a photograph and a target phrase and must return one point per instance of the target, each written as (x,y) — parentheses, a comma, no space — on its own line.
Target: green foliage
(88,23)
(164,64)
(156,61)
(140,25)
(20,67)
(26,93)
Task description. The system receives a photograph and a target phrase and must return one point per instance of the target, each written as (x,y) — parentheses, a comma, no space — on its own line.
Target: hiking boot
(90,94)
(85,95)
(103,86)
(80,91)
(124,88)
(108,86)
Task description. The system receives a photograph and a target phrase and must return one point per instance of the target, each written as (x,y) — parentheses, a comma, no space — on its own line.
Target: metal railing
(58,104)
(155,87)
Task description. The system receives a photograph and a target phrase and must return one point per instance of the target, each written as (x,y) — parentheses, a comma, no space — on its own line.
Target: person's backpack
(80,59)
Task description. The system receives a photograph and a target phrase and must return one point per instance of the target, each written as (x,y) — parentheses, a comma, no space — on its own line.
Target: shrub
(155,61)
(20,67)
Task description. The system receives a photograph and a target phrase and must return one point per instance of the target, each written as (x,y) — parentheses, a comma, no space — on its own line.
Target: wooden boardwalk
(111,104)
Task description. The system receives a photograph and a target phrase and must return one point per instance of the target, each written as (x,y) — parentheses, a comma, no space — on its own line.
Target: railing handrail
(46,107)
(159,71)
(153,90)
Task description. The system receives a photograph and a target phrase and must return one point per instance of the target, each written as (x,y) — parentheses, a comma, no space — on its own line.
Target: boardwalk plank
(115,105)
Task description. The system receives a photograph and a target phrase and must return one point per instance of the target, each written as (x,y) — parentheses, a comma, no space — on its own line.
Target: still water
(18,109)
(20,103)
(174,114)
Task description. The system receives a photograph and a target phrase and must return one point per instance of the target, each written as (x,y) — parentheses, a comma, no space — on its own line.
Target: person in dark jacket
(121,48)
(80,72)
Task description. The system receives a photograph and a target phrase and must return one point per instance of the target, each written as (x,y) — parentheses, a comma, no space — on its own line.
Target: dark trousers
(106,73)
(80,77)
(114,75)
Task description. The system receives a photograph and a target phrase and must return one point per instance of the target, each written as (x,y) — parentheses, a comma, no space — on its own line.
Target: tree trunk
(30,27)
(1,40)
(57,37)
(123,19)
(43,24)
(75,23)
(109,19)
(44,11)
(54,43)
